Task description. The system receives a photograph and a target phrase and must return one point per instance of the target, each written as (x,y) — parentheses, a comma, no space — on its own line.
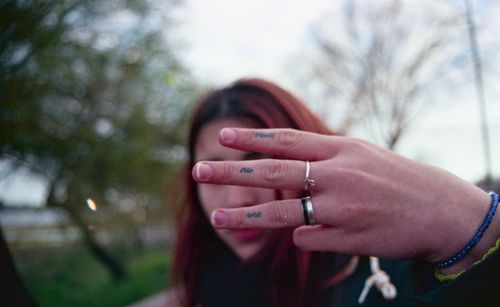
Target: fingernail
(228,135)
(203,171)
(219,218)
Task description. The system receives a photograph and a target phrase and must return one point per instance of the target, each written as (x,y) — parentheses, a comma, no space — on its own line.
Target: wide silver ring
(308,182)
(307,208)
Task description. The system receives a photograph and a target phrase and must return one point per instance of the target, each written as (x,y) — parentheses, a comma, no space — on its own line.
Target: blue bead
(477,237)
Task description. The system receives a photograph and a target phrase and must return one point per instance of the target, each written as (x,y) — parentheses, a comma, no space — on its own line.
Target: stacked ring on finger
(308,182)
(307,205)
(307,208)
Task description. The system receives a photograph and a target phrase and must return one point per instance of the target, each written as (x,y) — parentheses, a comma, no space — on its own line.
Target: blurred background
(95,97)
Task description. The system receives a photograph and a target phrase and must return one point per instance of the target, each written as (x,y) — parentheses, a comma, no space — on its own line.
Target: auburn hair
(293,274)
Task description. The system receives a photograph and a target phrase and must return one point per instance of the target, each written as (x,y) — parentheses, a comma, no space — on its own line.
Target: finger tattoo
(246,170)
(254,214)
(263,135)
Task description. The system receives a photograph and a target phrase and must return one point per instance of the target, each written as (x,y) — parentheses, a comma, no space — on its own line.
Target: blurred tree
(92,97)
(379,65)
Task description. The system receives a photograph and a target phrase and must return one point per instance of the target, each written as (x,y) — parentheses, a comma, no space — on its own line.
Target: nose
(237,196)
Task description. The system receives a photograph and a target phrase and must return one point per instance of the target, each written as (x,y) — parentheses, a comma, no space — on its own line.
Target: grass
(75,278)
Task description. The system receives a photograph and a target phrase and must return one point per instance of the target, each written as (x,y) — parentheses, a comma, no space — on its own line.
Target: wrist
(487,241)
(447,277)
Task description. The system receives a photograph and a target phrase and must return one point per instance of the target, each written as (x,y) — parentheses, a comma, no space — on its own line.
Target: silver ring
(307,181)
(307,208)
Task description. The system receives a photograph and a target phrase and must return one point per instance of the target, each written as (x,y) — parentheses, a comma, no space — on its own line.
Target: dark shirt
(229,282)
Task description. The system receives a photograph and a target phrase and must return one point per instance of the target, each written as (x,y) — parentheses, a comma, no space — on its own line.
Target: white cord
(381,281)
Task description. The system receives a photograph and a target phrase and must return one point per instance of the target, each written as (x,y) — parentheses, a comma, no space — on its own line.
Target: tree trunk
(12,289)
(114,267)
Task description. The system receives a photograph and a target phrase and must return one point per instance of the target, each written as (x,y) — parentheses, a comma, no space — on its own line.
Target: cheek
(210,197)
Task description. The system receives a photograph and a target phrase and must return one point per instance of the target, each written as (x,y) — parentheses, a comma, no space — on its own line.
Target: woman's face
(244,242)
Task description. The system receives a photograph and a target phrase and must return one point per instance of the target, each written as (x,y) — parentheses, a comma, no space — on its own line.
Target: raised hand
(366,199)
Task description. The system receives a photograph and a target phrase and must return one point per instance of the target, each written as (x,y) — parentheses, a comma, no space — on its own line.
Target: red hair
(293,274)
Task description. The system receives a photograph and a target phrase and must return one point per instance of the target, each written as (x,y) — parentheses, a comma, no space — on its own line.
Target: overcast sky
(232,39)
(226,40)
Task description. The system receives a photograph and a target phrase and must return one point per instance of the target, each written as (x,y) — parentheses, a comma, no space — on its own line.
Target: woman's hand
(366,199)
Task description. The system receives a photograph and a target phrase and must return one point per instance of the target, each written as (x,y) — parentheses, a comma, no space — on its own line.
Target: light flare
(91,203)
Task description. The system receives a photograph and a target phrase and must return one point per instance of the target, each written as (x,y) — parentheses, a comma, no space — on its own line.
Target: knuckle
(354,144)
(348,215)
(340,175)
(275,171)
(287,140)
(279,214)
(350,177)
(353,174)
(227,171)
(331,147)
(288,137)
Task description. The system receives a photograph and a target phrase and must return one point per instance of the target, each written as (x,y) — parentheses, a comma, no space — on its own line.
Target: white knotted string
(381,281)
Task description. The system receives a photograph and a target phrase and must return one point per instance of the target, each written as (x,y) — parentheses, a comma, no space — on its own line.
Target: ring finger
(275,214)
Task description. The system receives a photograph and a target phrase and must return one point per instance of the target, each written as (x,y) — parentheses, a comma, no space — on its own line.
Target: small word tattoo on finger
(254,214)
(246,170)
(264,135)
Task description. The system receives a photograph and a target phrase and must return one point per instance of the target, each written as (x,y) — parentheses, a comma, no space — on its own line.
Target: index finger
(287,143)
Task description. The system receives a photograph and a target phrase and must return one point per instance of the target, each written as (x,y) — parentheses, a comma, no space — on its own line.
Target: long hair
(292,274)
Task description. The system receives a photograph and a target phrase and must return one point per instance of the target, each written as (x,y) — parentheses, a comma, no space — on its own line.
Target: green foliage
(74,279)
(92,97)
(93,100)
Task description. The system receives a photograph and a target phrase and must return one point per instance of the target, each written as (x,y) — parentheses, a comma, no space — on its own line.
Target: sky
(224,40)
(261,38)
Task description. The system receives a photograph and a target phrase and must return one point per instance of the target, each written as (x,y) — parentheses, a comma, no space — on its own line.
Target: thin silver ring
(308,182)
(307,208)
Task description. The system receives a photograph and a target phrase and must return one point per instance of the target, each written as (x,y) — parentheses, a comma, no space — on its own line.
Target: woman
(368,201)
(252,267)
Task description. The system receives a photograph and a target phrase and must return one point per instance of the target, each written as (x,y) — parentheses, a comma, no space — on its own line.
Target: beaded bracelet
(450,277)
(475,239)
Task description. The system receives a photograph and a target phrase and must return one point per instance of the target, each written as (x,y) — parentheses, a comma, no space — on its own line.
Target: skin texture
(245,243)
(367,200)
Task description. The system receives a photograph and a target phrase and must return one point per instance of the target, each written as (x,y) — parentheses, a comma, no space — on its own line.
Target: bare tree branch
(383,60)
